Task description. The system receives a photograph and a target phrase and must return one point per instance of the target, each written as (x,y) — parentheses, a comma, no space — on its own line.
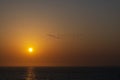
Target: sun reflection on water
(30,74)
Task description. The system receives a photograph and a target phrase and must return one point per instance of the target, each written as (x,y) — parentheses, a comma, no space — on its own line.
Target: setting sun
(30,50)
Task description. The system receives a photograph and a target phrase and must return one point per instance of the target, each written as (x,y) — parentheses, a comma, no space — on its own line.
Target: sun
(30,50)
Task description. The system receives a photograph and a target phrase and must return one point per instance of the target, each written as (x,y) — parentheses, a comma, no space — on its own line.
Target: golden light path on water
(30,74)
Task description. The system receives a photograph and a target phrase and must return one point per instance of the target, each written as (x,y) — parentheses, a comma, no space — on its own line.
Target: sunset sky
(61,32)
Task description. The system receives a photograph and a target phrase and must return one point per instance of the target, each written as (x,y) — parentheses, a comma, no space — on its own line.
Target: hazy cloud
(53,36)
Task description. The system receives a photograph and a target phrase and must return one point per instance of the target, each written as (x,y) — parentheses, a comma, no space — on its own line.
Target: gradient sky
(62,32)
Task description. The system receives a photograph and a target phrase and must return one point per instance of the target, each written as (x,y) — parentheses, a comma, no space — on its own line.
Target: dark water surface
(59,73)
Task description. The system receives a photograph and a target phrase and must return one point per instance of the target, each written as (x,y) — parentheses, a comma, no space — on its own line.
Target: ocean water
(59,73)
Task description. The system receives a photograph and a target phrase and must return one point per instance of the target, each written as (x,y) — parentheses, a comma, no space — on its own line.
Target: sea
(59,73)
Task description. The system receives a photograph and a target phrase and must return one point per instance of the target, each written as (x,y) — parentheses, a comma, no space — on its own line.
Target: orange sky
(70,33)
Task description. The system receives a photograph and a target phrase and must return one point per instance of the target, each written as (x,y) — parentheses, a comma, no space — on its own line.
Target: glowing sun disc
(30,50)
